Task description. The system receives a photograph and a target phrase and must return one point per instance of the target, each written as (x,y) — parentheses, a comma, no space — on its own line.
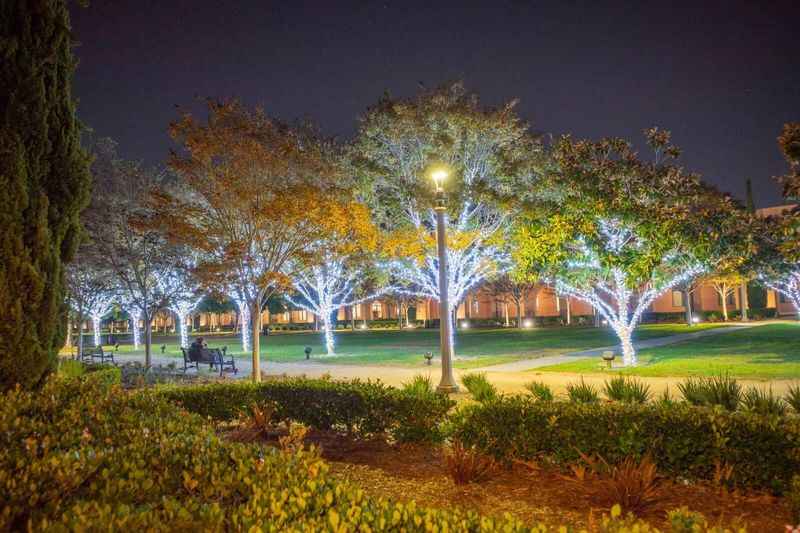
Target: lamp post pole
(448,382)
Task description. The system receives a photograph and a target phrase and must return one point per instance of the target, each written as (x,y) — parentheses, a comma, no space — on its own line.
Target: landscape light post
(448,382)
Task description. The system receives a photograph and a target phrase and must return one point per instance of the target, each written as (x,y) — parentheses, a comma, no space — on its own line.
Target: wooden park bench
(213,357)
(96,353)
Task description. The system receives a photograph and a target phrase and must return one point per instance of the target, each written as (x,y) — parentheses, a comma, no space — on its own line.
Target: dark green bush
(540,391)
(763,402)
(81,456)
(479,387)
(794,497)
(582,392)
(627,389)
(683,440)
(793,397)
(361,408)
(720,390)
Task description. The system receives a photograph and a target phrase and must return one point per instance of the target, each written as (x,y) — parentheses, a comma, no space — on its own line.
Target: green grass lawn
(771,351)
(477,347)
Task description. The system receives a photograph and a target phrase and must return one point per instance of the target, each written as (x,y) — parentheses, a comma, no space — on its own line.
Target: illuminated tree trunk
(744,301)
(687,304)
(505,311)
(327,326)
(96,329)
(148,340)
(256,353)
(725,307)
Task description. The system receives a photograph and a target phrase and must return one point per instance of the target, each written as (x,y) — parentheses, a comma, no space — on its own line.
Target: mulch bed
(405,473)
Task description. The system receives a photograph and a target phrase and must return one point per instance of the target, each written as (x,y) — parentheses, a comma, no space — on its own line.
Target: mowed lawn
(770,351)
(475,347)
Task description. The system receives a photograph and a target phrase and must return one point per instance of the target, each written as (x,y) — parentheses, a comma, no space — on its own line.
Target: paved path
(527,364)
(505,380)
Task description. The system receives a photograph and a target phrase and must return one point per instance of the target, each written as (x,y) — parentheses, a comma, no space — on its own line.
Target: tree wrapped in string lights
(184,294)
(253,196)
(92,292)
(617,232)
(401,142)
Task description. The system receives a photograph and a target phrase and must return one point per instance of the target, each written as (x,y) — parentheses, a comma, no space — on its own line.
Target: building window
(287,316)
(476,308)
(782,298)
(677,299)
(357,311)
(376,310)
(730,299)
(302,315)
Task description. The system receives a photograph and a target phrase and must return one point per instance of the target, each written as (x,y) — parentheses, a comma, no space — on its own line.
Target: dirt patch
(405,473)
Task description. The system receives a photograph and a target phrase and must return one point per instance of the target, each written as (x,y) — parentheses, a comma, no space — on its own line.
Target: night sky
(722,76)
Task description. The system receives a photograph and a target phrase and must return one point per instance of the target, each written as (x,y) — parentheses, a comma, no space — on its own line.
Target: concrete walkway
(506,378)
(527,364)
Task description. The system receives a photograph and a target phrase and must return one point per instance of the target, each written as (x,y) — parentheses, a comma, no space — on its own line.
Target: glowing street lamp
(448,382)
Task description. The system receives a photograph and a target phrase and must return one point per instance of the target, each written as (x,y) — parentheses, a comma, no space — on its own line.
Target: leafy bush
(793,397)
(685,521)
(360,408)
(466,465)
(794,497)
(80,455)
(682,440)
(626,389)
(633,483)
(720,390)
(69,368)
(479,387)
(763,402)
(541,392)
(582,392)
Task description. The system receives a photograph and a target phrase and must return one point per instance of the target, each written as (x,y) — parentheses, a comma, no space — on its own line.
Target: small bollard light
(308,352)
(428,356)
(608,357)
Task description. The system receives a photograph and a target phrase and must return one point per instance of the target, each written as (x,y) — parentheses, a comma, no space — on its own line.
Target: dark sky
(722,76)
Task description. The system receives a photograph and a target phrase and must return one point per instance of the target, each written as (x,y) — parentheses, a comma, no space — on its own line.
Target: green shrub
(626,389)
(794,497)
(684,441)
(582,392)
(764,402)
(69,368)
(479,387)
(361,408)
(541,392)
(78,456)
(685,521)
(720,390)
(793,397)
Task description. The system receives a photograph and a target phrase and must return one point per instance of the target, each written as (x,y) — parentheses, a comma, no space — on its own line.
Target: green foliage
(722,390)
(540,391)
(45,181)
(627,389)
(685,521)
(793,397)
(794,496)
(582,392)
(361,408)
(682,440)
(70,368)
(77,455)
(763,402)
(479,387)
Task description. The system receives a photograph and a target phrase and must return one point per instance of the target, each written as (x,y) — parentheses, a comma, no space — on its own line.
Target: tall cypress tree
(44,184)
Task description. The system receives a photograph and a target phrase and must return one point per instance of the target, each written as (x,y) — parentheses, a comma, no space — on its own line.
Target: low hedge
(80,455)
(684,441)
(361,408)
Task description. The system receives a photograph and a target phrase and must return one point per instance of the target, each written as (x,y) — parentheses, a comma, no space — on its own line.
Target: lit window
(677,299)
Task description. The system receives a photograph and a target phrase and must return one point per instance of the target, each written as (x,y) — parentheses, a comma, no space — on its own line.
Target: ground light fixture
(448,382)
(696,319)
(527,323)
(465,325)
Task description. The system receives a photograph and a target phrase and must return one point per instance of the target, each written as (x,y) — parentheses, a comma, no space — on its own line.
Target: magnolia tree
(400,142)
(253,195)
(617,232)
(779,253)
(600,275)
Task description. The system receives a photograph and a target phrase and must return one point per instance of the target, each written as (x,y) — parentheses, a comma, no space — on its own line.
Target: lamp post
(448,382)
